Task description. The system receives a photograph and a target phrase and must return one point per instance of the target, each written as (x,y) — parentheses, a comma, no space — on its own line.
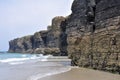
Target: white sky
(24,17)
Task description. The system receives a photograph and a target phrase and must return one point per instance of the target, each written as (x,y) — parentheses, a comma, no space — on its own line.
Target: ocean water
(15,66)
(17,58)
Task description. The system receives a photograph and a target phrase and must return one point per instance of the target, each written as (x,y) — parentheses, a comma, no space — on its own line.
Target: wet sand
(83,74)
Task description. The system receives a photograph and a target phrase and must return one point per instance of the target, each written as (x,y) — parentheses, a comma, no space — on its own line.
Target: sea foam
(24,58)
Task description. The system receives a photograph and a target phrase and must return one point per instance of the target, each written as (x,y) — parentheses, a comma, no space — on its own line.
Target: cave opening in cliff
(63,39)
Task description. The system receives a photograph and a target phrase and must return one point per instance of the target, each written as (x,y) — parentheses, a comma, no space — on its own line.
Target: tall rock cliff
(90,36)
(93,34)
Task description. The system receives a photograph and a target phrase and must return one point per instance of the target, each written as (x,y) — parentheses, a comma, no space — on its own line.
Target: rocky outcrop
(45,42)
(93,34)
(47,51)
(23,44)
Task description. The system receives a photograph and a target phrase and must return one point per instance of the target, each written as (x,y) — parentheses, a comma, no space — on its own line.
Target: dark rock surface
(93,34)
(23,44)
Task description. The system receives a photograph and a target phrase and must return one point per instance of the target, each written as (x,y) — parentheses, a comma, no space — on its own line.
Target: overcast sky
(24,17)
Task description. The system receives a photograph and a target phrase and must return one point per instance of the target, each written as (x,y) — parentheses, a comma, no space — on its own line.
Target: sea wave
(23,58)
(13,59)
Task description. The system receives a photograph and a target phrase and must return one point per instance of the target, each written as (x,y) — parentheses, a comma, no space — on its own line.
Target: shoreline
(34,69)
(82,74)
(52,68)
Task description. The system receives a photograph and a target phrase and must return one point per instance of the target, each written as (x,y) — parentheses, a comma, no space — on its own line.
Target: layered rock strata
(93,34)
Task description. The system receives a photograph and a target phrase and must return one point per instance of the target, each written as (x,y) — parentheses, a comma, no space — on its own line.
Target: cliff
(90,36)
(93,34)
(45,42)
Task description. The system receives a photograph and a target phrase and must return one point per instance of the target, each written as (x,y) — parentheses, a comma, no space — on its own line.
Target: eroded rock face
(54,33)
(63,38)
(37,41)
(20,44)
(41,41)
(47,51)
(106,9)
(93,34)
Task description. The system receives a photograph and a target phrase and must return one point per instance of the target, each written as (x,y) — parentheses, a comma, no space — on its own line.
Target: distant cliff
(90,36)
(46,42)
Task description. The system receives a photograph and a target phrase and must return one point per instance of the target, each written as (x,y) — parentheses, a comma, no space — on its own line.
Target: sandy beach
(54,68)
(83,74)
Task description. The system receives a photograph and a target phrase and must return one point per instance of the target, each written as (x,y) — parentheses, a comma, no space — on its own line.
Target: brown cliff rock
(93,34)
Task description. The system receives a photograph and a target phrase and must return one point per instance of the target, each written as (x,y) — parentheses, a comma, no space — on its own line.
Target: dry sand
(83,74)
